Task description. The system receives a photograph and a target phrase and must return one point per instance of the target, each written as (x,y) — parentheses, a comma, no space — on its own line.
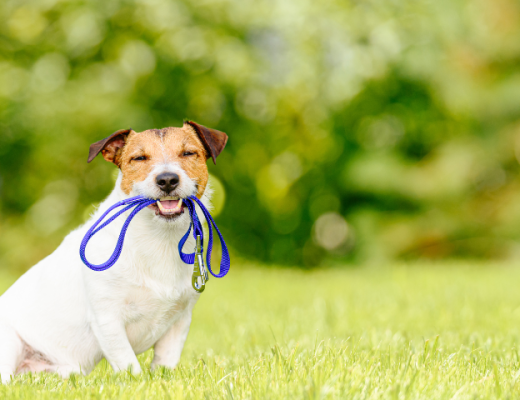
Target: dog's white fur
(63,317)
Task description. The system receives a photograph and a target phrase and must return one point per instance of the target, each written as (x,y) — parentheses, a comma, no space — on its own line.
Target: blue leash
(200,275)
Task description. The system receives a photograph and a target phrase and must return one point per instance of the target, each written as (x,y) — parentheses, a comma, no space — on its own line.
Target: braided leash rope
(138,203)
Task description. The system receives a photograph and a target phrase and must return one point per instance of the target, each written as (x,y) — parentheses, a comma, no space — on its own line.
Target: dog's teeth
(179,205)
(160,206)
(169,210)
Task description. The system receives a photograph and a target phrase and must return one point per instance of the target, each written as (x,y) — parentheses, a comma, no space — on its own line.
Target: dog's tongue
(169,204)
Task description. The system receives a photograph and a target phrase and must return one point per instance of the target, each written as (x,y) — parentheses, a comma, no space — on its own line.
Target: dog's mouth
(168,207)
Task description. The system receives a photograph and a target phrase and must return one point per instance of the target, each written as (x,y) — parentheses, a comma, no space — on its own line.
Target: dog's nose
(167,181)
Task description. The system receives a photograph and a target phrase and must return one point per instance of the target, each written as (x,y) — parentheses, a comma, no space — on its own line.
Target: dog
(62,317)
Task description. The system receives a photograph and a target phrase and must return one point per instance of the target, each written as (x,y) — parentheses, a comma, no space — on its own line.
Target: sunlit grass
(439,331)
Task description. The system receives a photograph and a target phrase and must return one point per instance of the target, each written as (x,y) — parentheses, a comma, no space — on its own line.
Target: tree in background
(358,131)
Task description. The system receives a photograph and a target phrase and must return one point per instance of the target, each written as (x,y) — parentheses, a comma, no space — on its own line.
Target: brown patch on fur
(111,147)
(33,361)
(168,145)
(214,141)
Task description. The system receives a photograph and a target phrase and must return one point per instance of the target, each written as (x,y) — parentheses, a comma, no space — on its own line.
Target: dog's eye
(140,158)
(188,153)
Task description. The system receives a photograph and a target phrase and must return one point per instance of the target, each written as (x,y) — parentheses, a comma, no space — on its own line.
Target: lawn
(440,331)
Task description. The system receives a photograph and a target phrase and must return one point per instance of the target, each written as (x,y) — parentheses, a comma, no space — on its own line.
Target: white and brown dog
(62,317)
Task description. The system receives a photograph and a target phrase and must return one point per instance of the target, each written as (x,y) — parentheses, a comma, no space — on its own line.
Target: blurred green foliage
(358,130)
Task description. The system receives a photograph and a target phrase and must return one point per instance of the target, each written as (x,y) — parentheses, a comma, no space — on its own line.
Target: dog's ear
(110,147)
(214,141)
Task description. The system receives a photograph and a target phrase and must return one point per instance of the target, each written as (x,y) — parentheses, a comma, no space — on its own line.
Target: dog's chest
(148,312)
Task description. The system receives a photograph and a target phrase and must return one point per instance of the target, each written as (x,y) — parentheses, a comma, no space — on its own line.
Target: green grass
(428,332)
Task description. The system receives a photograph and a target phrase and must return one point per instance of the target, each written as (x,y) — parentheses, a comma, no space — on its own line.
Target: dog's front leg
(111,335)
(169,347)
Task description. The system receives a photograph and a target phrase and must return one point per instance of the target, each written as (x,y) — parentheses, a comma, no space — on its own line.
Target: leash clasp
(200,275)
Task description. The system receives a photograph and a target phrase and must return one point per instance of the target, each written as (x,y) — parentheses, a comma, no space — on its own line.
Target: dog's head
(166,164)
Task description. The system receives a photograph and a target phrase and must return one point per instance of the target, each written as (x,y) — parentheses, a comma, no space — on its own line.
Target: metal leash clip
(200,275)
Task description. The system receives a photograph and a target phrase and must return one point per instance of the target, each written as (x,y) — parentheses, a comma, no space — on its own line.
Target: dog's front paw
(157,366)
(6,377)
(134,368)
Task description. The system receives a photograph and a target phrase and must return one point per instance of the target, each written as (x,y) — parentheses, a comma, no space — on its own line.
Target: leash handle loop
(140,202)
(225,262)
(197,231)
